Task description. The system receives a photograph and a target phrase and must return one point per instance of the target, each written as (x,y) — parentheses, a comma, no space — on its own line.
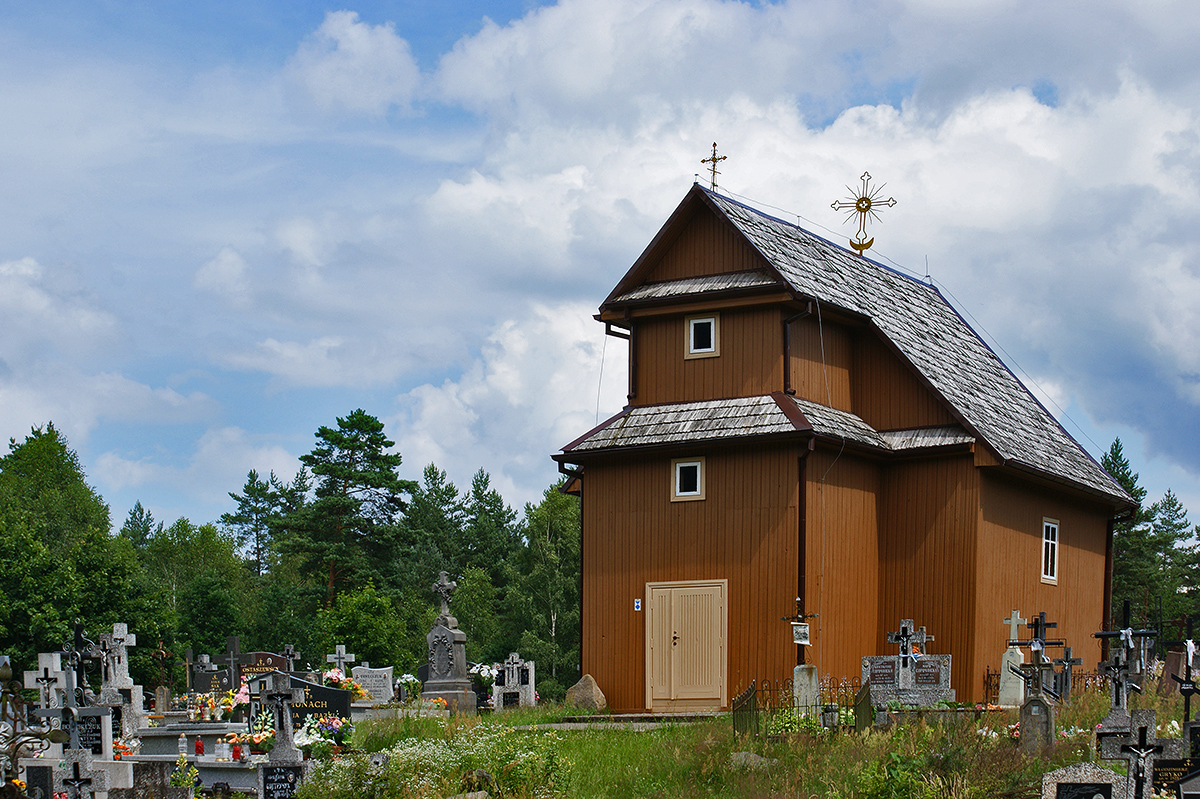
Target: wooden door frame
(690,704)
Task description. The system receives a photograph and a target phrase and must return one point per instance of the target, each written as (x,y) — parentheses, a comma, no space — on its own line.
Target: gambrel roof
(921,327)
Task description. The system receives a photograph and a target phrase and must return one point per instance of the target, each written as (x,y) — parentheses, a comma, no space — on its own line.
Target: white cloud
(356,66)
(225,276)
(532,390)
(218,465)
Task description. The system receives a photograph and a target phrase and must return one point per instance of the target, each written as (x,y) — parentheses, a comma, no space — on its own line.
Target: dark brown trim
(792,411)
(787,347)
(683,448)
(633,363)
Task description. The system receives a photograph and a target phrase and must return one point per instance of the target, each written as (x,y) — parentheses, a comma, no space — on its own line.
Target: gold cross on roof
(865,203)
(712,162)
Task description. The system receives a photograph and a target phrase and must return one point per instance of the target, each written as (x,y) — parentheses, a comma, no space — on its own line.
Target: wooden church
(804,422)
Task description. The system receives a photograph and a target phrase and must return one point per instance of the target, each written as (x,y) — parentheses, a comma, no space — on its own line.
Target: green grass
(917,761)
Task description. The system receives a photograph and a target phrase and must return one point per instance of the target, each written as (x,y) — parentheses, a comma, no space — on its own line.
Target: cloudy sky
(223,225)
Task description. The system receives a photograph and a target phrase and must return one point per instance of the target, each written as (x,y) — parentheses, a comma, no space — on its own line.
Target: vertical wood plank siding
(822,356)
(886,393)
(750,363)
(841,560)
(745,532)
(1009,564)
(707,246)
(927,553)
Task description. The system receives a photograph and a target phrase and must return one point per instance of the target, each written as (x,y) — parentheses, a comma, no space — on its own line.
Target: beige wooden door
(685,632)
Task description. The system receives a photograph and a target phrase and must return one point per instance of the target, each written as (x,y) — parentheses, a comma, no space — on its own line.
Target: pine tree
(349,531)
(139,527)
(258,504)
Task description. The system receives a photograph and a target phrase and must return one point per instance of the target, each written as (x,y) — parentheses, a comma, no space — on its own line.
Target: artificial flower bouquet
(336,678)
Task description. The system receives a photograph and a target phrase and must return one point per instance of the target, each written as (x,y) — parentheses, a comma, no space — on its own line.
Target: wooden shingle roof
(923,329)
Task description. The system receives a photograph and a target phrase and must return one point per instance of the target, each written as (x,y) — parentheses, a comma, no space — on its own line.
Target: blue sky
(224,225)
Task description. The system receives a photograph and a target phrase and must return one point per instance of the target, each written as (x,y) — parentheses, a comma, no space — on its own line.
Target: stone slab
(1084,781)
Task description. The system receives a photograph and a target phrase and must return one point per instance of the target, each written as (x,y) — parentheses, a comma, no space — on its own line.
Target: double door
(685,645)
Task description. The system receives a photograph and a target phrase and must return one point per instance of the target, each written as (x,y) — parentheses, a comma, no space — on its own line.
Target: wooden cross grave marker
(1036,671)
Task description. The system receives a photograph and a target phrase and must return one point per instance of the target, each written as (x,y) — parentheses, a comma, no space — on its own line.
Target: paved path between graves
(635,722)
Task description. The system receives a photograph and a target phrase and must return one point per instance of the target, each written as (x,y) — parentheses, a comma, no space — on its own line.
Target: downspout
(801,536)
(787,348)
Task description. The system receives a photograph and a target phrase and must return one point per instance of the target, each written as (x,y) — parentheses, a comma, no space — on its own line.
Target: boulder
(586,695)
(751,761)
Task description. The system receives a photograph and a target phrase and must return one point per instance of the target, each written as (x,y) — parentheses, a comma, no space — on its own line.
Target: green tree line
(346,552)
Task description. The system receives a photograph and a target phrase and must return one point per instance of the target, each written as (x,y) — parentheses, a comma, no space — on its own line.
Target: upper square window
(703,336)
(1050,551)
(688,479)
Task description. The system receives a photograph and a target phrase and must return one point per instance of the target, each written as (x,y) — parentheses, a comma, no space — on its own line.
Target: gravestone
(1012,687)
(118,690)
(77,777)
(340,659)
(1168,774)
(1083,781)
(162,699)
(1037,724)
(1065,677)
(1140,748)
(1189,787)
(912,676)
(39,782)
(376,682)
(318,700)
(255,663)
(206,679)
(864,711)
(47,679)
(514,686)
(448,678)
(283,772)
(1127,657)
(806,690)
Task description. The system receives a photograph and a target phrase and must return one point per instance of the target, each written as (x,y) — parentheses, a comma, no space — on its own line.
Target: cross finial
(864,204)
(712,162)
(444,587)
(1014,622)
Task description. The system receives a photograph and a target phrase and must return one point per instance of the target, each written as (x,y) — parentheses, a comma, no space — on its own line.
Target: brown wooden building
(804,422)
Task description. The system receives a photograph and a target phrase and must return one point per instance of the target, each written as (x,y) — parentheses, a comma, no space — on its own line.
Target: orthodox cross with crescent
(864,204)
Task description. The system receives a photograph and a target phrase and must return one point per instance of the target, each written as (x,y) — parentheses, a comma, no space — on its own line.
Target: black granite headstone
(281,782)
(91,734)
(39,782)
(1168,773)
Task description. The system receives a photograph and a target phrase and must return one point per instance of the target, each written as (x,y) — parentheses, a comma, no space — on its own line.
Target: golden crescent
(860,246)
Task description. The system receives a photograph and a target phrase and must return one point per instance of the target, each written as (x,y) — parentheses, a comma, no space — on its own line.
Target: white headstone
(806,690)
(376,682)
(1012,686)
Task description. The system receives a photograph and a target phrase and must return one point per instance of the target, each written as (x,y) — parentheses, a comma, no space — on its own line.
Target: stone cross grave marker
(514,686)
(447,670)
(48,679)
(232,660)
(118,690)
(77,653)
(80,780)
(278,698)
(1012,686)
(1139,749)
(911,676)
(340,658)
(114,648)
(1126,659)
(444,588)
(292,654)
(1037,724)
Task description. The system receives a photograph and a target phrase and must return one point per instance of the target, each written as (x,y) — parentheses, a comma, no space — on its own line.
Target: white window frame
(689,327)
(676,466)
(1051,556)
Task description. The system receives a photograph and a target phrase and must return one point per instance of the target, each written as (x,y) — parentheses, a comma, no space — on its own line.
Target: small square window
(703,337)
(687,479)
(1050,551)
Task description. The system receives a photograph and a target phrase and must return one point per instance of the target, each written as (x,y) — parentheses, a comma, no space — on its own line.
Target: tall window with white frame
(687,481)
(1050,551)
